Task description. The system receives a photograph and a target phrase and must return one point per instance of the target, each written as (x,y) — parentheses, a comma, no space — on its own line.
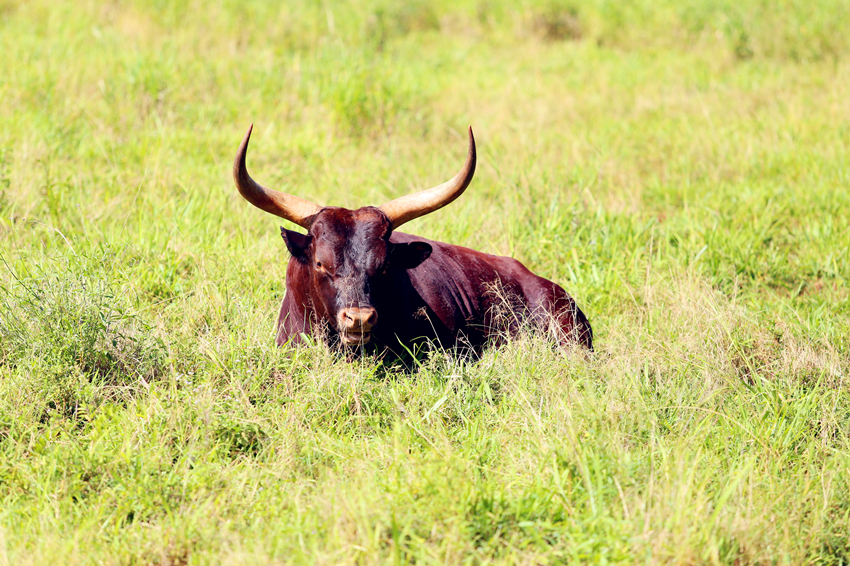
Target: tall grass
(680,168)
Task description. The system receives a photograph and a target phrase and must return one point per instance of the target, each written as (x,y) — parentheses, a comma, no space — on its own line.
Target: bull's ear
(408,256)
(296,243)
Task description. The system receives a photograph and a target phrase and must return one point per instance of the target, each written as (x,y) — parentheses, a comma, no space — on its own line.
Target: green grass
(680,168)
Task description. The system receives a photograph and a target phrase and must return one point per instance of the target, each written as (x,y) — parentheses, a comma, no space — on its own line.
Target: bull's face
(348,252)
(348,255)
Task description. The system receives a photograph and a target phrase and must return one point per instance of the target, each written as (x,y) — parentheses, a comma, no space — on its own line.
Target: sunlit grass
(681,169)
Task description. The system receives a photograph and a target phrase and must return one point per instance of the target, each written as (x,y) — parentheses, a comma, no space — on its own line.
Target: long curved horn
(406,208)
(292,208)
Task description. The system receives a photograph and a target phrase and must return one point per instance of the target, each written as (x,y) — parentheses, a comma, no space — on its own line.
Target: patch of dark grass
(557,22)
(236,439)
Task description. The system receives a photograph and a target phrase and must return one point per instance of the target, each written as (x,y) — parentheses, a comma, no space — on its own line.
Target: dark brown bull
(358,281)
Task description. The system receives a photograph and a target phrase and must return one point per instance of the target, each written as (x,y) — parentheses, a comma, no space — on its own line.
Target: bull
(357,281)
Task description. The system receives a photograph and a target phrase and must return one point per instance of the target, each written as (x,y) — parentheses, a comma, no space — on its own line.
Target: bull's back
(476,295)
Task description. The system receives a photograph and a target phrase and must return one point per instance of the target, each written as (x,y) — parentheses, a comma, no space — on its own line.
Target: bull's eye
(322,270)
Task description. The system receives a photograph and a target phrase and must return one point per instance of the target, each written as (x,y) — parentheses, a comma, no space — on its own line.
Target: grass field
(681,168)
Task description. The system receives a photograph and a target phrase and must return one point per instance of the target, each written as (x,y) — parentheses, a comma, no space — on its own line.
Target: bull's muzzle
(355,325)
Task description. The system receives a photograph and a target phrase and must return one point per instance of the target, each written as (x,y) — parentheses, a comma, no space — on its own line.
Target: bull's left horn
(406,208)
(290,207)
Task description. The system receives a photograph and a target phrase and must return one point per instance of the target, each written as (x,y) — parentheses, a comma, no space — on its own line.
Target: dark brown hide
(407,289)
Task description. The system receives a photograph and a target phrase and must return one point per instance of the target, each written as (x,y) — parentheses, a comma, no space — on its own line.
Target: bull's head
(347,253)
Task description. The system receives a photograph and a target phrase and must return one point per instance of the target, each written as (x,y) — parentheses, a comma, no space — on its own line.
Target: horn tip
(247,136)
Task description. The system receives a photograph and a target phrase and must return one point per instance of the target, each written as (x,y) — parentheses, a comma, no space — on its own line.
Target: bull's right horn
(406,208)
(292,208)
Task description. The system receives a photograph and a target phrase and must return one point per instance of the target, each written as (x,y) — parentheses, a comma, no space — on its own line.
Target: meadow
(681,168)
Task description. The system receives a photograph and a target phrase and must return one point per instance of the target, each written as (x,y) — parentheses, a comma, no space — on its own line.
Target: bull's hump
(402,238)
